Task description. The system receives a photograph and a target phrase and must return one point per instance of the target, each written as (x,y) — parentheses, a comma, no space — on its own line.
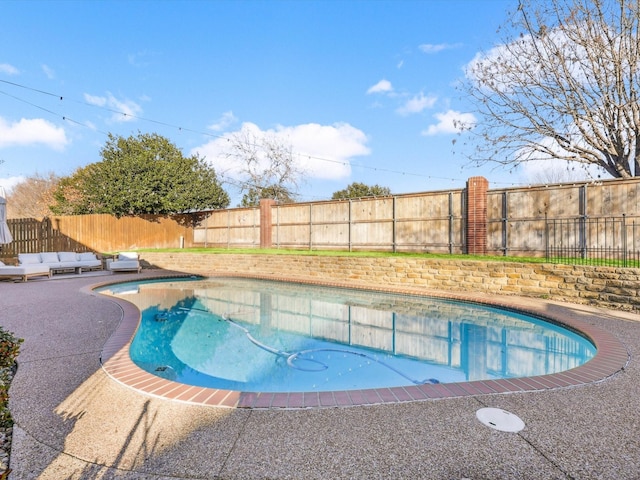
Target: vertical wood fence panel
(518,222)
(99,233)
(432,223)
(233,228)
(292,226)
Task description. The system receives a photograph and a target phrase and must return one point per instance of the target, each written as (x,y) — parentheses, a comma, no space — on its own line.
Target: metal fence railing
(594,241)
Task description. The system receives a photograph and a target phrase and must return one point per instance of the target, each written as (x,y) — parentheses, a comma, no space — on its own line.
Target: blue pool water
(263,336)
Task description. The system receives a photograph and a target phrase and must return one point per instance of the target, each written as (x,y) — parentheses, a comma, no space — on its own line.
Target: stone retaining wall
(608,287)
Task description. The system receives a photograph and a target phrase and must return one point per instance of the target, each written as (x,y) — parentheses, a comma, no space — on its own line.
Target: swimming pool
(251,335)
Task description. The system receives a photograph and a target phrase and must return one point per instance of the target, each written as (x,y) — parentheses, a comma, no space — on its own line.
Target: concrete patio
(72,421)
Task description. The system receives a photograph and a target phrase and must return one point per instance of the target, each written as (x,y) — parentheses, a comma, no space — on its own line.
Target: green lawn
(368,254)
(335,253)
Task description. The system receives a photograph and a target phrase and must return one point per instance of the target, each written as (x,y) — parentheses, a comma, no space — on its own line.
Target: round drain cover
(499,419)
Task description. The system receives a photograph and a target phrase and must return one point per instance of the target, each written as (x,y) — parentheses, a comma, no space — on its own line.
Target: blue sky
(364,91)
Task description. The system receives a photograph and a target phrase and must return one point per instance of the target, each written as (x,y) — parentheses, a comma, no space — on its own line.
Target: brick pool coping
(611,357)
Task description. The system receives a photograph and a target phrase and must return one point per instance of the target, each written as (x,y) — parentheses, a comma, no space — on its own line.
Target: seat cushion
(67,257)
(49,257)
(29,258)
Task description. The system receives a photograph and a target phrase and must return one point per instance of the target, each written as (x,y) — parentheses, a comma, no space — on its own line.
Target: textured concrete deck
(75,422)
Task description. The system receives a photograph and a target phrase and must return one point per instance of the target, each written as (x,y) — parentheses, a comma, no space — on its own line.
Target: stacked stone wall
(607,287)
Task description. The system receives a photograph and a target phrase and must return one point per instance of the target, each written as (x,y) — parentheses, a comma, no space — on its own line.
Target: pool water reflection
(267,336)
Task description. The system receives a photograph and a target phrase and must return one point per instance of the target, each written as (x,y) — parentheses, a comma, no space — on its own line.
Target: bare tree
(564,85)
(32,197)
(555,173)
(267,164)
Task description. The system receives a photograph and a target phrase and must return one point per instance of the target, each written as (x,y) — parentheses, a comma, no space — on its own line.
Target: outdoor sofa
(24,271)
(61,261)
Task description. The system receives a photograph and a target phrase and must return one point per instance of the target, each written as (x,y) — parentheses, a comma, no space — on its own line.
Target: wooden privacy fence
(431,222)
(100,233)
(475,219)
(527,221)
(32,235)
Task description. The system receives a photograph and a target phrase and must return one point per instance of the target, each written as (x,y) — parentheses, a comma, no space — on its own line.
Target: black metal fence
(594,241)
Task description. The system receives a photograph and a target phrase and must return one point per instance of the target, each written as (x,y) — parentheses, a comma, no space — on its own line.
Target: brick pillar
(477,215)
(266,226)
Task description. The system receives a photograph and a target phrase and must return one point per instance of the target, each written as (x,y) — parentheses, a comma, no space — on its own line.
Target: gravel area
(73,421)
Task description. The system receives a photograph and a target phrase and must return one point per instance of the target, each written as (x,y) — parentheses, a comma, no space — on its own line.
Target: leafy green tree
(69,196)
(146,174)
(277,192)
(359,190)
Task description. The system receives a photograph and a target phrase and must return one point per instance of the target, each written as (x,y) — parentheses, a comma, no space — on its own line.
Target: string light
(204,133)
(64,117)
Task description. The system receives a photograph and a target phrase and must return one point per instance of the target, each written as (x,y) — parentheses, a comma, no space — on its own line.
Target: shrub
(9,348)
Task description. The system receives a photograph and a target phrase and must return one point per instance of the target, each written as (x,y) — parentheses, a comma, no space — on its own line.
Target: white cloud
(431,48)
(10,182)
(48,71)
(555,170)
(142,58)
(325,150)
(29,132)
(123,110)
(489,68)
(126,108)
(383,86)
(321,151)
(531,60)
(417,104)
(95,100)
(548,163)
(8,69)
(227,119)
(450,121)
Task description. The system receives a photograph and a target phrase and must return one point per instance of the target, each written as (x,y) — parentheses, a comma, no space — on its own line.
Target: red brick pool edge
(611,357)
